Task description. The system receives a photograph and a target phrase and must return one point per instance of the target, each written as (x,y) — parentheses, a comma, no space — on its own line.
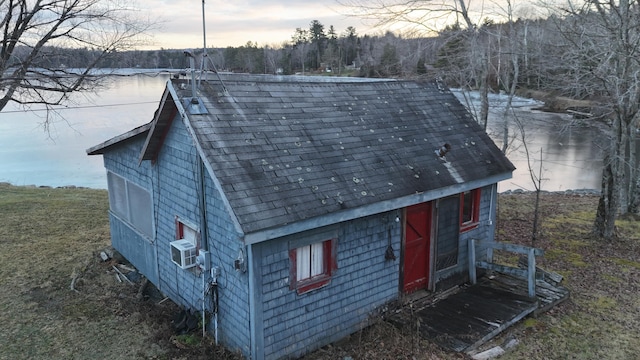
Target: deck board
(474,315)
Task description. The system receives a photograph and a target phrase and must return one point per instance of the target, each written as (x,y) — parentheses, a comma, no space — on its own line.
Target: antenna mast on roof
(205,56)
(204,40)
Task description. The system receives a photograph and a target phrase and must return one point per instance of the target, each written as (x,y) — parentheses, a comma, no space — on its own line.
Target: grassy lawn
(602,318)
(48,237)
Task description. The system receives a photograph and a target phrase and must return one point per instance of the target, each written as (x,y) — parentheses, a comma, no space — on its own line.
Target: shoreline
(573,192)
(579,192)
(33,186)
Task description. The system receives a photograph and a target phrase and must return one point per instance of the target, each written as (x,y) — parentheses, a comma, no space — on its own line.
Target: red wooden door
(417,247)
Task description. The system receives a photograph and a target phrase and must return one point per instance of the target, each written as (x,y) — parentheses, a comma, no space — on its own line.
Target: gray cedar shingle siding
(293,324)
(288,151)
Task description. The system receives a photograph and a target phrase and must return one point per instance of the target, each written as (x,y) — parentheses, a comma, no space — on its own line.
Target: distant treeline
(453,54)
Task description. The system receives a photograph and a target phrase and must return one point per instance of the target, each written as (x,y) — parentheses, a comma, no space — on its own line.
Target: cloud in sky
(234,23)
(273,22)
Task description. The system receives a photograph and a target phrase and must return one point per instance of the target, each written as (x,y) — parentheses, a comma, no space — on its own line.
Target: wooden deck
(473,315)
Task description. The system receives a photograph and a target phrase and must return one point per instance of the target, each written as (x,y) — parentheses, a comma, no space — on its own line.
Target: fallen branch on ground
(121,274)
(74,278)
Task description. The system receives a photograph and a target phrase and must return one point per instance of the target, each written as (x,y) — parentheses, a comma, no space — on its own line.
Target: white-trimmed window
(312,265)
(131,203)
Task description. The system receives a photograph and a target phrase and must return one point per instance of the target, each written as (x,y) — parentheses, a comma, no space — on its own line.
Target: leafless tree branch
(32,29)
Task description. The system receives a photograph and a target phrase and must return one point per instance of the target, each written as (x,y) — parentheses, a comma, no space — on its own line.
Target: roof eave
(161,123)
(103,147)
(371,209)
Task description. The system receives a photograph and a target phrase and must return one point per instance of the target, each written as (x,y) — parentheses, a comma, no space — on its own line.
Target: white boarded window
(310,261)
(117,195)
(187,231)
(131,203)
(140,207)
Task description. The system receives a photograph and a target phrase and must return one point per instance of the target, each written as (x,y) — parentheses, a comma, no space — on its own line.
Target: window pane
(189,234)
(448,225)
(117,195)
(303,256)
(467,207)
(317,259)
(141,209)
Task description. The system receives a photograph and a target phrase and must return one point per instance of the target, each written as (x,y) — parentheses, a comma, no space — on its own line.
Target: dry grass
(48,236)
(602,318)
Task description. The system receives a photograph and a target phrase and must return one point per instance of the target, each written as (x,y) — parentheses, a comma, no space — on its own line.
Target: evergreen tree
(318,40)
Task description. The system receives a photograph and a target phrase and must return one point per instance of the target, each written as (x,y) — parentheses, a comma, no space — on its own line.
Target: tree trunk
(536,213)
(604,225)
(484,92)
(634,179)
(465,14)
(510,83)
(612,178)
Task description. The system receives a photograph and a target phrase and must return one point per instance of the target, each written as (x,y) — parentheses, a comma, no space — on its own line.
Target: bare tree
(536,178)
(34,30)
(428,17)
(509,77)
(272,60)
(413,14)
(602,40)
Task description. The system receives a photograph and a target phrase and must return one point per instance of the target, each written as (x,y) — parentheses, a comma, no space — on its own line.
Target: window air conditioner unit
(183,253)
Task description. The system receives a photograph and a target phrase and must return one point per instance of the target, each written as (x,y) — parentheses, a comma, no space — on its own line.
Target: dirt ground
(43,255)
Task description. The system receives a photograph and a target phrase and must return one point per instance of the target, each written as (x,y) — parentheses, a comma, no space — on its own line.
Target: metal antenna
(205,57)
(203,67)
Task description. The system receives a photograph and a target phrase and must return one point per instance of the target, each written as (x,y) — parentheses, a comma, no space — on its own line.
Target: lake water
(29,155)
(569,150)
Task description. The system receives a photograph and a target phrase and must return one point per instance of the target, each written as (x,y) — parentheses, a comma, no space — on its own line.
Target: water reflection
(571,155)
(57,157)
(569,151)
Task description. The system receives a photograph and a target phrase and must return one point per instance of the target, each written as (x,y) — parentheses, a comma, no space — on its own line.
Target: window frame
(474,209)
(180,225)
(121,192)
(313,282)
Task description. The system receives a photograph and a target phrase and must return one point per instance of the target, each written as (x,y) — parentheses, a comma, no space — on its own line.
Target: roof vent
(443,151)
(193,104)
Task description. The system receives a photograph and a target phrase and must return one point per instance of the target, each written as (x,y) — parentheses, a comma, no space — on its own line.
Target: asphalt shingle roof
(285,151)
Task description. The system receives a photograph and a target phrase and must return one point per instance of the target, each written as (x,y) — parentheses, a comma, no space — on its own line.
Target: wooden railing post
(531,273)
(472,261)
(528,274)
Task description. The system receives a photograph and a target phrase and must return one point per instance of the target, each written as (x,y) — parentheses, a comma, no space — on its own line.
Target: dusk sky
(270,22)
(234,23)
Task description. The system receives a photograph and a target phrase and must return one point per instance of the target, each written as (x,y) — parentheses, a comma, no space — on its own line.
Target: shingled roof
(285,150)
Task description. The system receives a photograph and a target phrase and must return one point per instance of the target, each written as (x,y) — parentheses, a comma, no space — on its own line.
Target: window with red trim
(187,231)
(312,266)
(469,209)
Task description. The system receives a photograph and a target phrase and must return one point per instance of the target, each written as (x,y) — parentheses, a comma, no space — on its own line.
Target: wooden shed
(306,204)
